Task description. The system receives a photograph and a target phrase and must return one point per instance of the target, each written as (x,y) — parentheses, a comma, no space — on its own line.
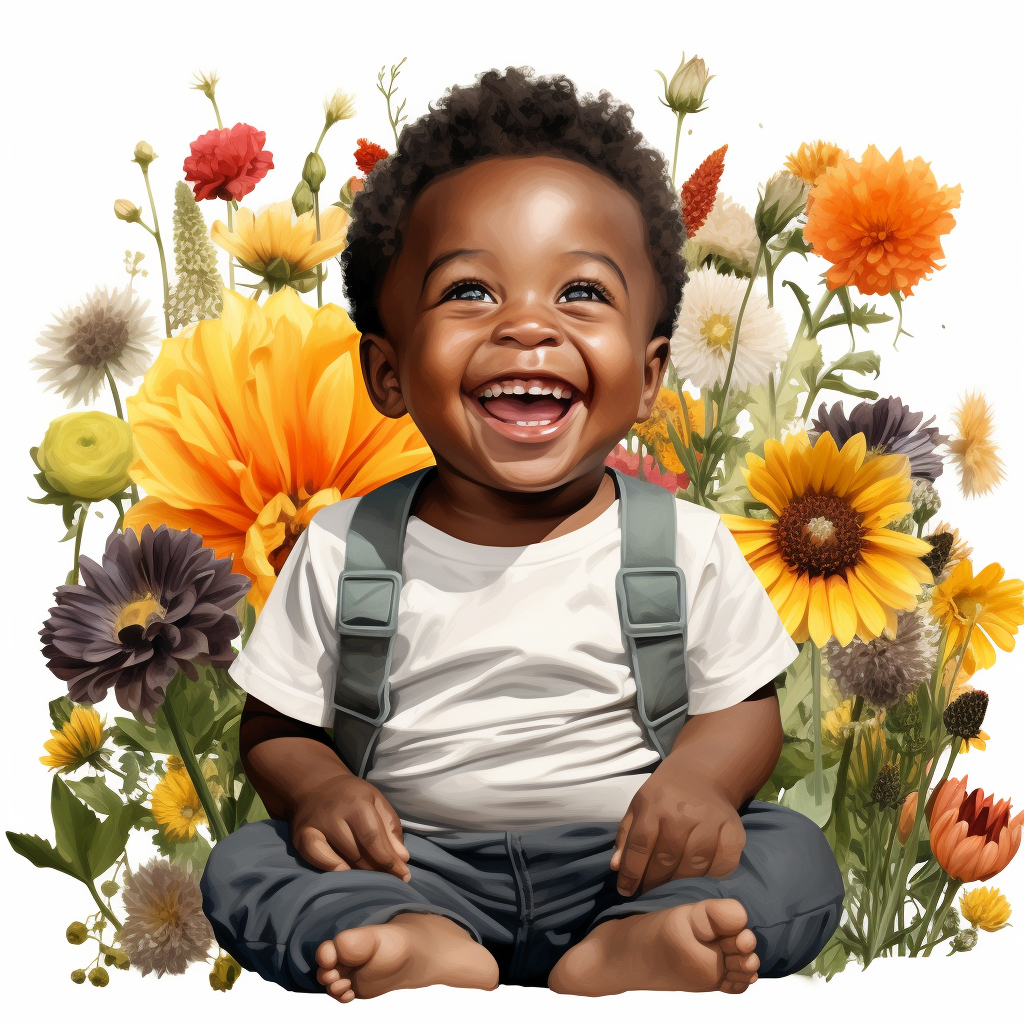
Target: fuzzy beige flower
(973,449)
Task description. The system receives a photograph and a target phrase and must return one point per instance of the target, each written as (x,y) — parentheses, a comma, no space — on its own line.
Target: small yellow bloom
(87,454)
(869,752)
(176,805)
(813,159)
(76,741)
(978,742)
(832,725)
(668,408)
(278,246)
(985,908)
(973,449)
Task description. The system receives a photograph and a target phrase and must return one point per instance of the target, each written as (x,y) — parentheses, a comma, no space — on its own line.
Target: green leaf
(898,299)
(130,766)
(192,853)
(801,796)
(60,711)
(844,301)
(858,362)
(95,792)
(802,298)
(862,316)
(40,853)
(109,840)
(75,827)
(832,382)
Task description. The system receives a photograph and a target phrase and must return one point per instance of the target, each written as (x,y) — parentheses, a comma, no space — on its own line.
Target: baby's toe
(340,988)
(745,963)
(327,954)
(744,942)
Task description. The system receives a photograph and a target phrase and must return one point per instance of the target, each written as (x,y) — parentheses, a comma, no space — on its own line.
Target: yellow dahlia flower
(827,560)
(247,425)
(76,742)
(994,606)
(813,159)
(176,806)
(985,908)
(87,454)
(278,246)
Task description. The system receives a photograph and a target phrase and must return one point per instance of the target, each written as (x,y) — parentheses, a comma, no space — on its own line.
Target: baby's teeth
(535,391)
(519,390)
(545,391)
(557,392)
(507,389)
(522,423)
(488,393)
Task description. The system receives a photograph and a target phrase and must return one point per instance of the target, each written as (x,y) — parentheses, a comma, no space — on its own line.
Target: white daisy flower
(704,335)
(729,231)
(108,331)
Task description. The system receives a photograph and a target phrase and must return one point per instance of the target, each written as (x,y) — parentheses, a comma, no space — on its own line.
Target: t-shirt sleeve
(290,659)
(736,641)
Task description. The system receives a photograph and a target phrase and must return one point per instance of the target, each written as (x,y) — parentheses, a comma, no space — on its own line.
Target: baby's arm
(338,821)
(683,821)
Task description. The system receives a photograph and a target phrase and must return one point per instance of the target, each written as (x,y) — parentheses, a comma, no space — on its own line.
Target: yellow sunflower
(247,425)
(278,246)
(827,560)
(176,805)
(992,605)
(668,408)
(76,742)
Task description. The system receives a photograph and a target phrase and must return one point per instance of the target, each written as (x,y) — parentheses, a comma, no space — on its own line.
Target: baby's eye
(468,291)
(584,291)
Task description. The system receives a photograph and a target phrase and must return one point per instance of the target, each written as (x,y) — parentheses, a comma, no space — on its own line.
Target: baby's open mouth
(531,402)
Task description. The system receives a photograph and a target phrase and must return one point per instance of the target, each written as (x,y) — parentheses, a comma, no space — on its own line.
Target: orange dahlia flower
(972,837)
(247,425)
(878,222)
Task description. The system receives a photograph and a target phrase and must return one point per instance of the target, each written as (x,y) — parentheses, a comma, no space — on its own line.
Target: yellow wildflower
(985,908)
(176,805)
(76,741)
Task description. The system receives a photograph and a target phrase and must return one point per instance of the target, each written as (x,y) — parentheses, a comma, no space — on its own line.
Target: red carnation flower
(629,463)
(226,163)
(368,154)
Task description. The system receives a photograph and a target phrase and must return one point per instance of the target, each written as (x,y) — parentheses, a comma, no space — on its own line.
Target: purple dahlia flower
(159,603)
(888,426)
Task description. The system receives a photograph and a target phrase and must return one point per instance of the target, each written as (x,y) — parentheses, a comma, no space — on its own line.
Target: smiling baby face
(518,320)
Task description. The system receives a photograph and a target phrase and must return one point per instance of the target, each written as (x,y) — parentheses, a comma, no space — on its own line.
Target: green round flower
(77,933)
(98,976)
(78,977)
(110,888)
(87,454)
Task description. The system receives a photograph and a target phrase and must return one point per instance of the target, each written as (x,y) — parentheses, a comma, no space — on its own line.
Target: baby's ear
(379,363)
(655,365)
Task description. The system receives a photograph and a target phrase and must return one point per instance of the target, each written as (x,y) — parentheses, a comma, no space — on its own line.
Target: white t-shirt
(513,700)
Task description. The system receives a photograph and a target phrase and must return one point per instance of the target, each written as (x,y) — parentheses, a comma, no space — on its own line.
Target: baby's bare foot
(697,947)
(410,951)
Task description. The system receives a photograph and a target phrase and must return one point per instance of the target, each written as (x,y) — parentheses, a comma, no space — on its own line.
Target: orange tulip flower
(907,816)
(972,837)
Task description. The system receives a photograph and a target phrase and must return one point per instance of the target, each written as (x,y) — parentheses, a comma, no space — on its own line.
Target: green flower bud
(225,973)
(965,940)
(144,155)
(78,977)
(685,93)
(314,171)
(951,924)
(784,197)
(302,199)
(77,933)
(278,270)
(110,888)
(87,454)
(98,976)
(125,209)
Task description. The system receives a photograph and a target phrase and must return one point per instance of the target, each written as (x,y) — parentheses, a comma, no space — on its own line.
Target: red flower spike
(368,154)
(698,195)
(228,163)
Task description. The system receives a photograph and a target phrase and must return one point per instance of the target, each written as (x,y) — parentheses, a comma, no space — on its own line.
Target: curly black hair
(508,114)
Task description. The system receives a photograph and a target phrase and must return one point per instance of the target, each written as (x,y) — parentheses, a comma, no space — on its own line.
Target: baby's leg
(771,917)
(367,931)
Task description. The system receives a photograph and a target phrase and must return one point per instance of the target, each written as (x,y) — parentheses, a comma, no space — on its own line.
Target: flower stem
(231,259)
(213,815)
(83,512)
(842,775)
(940,916)
(675,152)
(120,415)
(819,778)
(160,249)
(104,909)
(319,266)
(940,887)
(216,110)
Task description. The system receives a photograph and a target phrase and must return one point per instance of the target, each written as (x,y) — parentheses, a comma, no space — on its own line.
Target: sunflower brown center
(135,616)
(717,331)
(819,534)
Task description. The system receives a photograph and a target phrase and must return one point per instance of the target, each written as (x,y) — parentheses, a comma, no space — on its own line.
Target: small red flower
(699,192)
(227,163)
(629,463)
(368,154)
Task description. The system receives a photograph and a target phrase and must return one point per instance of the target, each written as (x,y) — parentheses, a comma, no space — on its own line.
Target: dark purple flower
(888,426)
(158,604)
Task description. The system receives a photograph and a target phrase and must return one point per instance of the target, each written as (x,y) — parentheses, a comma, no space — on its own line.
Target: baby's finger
(620,838)
(665,857)
(731,840)
(640,843)
(314,848)
(373,837)
(701,846)
(387,813)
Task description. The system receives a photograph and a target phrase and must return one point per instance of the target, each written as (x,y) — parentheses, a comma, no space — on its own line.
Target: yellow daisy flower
(869,752)
(278,246)
(994,606)
(76,741)
(827,560)
(985,908)
(973,450)
(832,724)
(176,805)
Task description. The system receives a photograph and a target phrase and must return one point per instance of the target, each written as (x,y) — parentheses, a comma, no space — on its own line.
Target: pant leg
(271,910)
(787,880)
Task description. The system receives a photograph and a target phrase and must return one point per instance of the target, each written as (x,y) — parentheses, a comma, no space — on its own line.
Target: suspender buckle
(368,602)
(652,601)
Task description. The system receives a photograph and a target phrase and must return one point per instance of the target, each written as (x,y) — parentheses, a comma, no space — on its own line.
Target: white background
(83,83)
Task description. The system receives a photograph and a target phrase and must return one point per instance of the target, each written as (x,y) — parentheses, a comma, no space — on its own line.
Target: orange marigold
(698,195)
(878,222)
(367,154)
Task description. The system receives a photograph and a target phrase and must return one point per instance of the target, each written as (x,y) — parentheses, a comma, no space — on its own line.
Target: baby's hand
(676,828)
(346,823)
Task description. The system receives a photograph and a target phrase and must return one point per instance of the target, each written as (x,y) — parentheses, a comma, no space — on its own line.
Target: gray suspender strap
(651,592)
(369,588)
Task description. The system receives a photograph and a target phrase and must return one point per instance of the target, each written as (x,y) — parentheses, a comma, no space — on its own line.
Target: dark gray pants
(526,895)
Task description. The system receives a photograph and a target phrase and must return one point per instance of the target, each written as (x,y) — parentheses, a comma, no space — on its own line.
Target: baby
(500,803)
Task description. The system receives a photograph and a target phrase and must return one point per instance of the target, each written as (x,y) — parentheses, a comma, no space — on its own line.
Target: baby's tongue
(513,408)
